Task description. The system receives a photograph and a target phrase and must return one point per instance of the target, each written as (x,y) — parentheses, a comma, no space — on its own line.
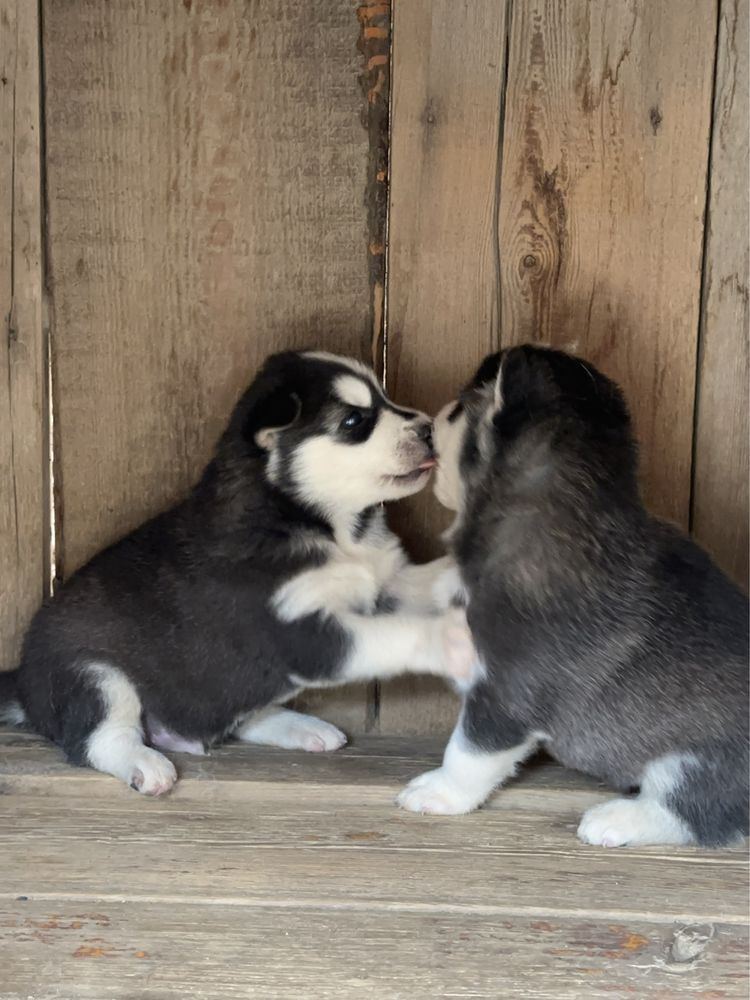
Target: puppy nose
(423,430)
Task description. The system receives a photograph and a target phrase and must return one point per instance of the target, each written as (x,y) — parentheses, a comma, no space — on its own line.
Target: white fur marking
(350,580)
(644,819)
(12,713)
(358,367)
(353,391)
(342,478)
(497,394)
(387,645)
(116,745)
(449,439)
(430,587)
(466,779)
(280,727)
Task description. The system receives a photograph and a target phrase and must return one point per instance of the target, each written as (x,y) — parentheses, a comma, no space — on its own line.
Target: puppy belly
(165,739)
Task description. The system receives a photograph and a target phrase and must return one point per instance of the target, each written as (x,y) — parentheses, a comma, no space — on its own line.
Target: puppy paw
(334,587)
(448,589)
(153,773)
(315,736)
(636,821)
(280,727)
(433,792)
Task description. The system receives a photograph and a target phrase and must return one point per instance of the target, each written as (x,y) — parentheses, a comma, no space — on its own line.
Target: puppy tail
(10,704)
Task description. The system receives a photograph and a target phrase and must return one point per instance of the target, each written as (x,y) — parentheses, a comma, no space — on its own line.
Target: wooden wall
(218,177)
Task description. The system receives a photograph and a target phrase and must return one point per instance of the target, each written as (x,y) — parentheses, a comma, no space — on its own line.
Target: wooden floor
(275,875)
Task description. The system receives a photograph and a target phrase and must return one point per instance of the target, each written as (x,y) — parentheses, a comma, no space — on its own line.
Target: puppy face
(330,437)
(525,394)
(461,430)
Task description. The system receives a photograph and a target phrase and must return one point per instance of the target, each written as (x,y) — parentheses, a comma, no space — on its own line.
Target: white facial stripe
(359,368)
(449,437)
(353,391)
(498,394)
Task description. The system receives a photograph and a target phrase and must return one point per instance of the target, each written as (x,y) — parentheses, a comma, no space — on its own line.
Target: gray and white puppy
(604,634)
(276,573)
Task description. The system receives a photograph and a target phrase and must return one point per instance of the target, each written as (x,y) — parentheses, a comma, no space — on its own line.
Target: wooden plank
(607,120)
(23,462)
(372,769)
(290,817)
(207,169)
(720,487)
(152,951)
(303,840)
(449,63)
(270,851)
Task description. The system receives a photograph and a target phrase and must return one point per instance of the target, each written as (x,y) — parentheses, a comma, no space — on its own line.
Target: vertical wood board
(207,167)
(607,122)
(449,64)
(720,487)
(23,465)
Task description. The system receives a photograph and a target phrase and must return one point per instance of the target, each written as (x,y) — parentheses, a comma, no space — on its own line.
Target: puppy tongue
(429,463)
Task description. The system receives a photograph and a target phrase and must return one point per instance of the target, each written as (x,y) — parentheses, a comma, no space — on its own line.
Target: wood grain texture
(23,462)
(283,833)
(608,110)
(370,770)
(283,874)
(720,486)
(87,950)
(448,69)
(207,168)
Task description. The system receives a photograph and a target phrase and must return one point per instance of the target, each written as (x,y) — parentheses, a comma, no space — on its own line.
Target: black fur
(601,626)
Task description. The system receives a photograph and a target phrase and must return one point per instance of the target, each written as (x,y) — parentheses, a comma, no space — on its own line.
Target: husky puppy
(275,574)
(604,635)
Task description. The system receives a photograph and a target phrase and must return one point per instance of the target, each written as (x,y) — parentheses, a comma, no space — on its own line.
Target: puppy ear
(271,404)
(512,379)
(487,371)
(278,412)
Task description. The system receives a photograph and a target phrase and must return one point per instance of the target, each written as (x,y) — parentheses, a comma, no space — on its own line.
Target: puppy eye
(353,419)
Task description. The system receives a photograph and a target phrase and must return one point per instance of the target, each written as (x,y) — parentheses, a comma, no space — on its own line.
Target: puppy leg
(389,644)
(647,818)
(470,772)
(280,727)
(115,745)
(433,586)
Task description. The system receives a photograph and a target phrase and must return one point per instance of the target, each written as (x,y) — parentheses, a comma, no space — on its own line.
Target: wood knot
(429,116)
(655,117)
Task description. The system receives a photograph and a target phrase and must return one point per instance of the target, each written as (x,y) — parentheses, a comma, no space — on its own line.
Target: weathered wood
(605,153)
(23,462)
(720,487)
(372,769)
(315,829)
(280,874)
(449,63)
(207,168)
(153,951)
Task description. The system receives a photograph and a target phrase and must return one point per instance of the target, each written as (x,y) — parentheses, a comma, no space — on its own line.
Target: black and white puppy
(604,634)
(275,574)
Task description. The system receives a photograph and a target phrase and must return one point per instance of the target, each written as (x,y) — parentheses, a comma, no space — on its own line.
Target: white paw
(153,773)
(434,792)
(448,588)
(632,821)
(315,736)
(334,587)
(461,659)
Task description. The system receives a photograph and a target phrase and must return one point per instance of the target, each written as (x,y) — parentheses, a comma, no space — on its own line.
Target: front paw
(435,793)
(448,590)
